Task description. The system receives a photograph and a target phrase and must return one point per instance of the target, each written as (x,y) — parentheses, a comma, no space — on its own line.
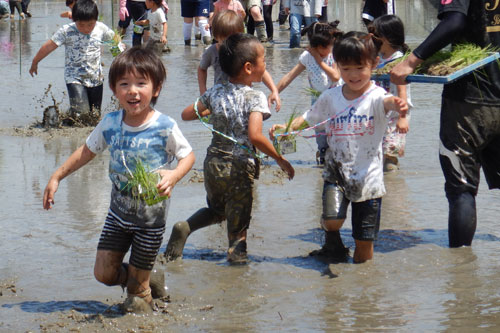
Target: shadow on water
(390,240)
(84,307)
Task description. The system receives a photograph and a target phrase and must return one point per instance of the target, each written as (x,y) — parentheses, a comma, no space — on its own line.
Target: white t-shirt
(156,144)
(83,53)
(156,20)
(354,136)
(318,79)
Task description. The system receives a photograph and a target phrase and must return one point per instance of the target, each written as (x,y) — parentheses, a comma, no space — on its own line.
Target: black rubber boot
(181,231)
(333,248)
(462,219)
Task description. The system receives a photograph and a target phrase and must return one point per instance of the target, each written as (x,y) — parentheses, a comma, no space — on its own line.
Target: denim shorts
(365,214)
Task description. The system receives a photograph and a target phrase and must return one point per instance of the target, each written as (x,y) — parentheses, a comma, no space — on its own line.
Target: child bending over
(357,119)
(136,133)
(229,169)
(82,70)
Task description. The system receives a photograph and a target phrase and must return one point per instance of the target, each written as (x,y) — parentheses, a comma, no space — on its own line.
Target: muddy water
(415,283)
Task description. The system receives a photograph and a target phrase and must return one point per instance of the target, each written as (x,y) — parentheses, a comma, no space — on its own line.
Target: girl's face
(356,76)
(386,49)
(324,51)
(85,27)
(134,92)
(149,4)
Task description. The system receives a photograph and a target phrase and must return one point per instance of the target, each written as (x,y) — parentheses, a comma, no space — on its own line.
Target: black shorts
(470,139)
(365,214)
(374,9)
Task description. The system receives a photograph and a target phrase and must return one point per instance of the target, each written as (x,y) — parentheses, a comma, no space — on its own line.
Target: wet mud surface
(414,283)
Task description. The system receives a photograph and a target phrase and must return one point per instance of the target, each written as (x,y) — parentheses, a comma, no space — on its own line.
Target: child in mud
(82,71)
(322,71)
(224,24)
(158,27)
(235,110)
(390,31)
(356,115)
(136,133)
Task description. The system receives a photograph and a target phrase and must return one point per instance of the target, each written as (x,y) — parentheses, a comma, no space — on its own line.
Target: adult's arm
(448,30)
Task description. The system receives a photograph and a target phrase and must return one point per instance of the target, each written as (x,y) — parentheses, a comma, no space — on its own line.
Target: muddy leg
(237,252)
(181,231)
(157,283)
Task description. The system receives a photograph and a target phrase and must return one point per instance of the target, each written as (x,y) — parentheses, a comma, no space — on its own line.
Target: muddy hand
(34,69)
(48,194)
(167,183)
(287,167)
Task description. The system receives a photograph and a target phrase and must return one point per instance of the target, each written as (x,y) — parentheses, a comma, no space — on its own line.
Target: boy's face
(85,27)
(259,67)
(134,92)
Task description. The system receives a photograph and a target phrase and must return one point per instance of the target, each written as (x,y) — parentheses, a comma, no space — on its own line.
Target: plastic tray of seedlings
(445,66)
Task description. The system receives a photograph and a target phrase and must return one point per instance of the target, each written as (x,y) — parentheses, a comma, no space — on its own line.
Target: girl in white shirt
(321,69)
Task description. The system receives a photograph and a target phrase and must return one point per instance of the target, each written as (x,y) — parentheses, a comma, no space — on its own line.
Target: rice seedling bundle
(142,185)
(444,63)
(117,46)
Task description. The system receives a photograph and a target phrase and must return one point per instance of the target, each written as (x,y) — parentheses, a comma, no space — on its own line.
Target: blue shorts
(195,8)
(365,214)
(118,235)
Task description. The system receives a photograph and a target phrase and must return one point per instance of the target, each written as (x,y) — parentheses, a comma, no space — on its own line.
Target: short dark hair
(356,47)
(85,10)
(322,33)
(227,22)
(139,61)
(69,2)
(236,51)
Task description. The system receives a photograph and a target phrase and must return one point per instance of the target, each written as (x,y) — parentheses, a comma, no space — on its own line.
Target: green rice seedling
(313,92)
(446,62)
(287,144)
(116,43)
(142,184)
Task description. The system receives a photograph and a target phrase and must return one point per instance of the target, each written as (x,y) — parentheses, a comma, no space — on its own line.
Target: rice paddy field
(415,283)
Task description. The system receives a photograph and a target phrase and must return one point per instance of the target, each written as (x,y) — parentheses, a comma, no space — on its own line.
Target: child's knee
(106,277)
(332,225)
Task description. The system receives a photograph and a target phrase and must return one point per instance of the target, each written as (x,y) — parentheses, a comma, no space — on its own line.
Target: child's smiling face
(134,92)
(356,76)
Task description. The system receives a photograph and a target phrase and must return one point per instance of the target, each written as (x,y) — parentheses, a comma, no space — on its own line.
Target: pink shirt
(233,5)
